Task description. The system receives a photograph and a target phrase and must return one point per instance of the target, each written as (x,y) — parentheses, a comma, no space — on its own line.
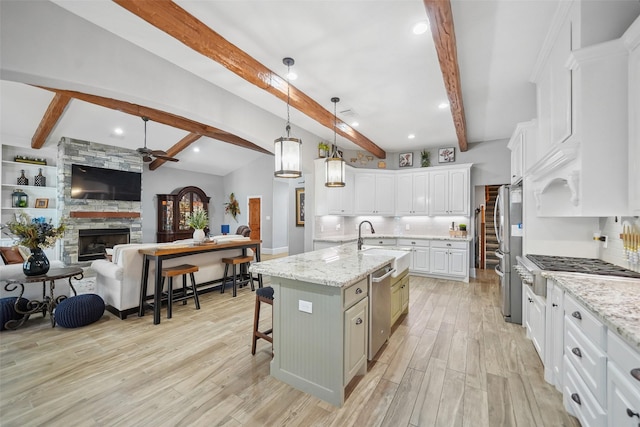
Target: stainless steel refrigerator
(507,217)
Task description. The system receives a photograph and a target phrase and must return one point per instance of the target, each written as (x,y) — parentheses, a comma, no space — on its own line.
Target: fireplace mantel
(103,214)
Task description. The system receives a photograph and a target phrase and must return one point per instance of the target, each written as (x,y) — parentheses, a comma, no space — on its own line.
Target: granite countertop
(615,301)
(354,237)
(338,266)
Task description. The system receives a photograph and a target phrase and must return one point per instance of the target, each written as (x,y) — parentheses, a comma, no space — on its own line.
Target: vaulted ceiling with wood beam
(212,74)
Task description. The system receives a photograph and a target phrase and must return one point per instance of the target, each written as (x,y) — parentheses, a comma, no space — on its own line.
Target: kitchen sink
(400,258)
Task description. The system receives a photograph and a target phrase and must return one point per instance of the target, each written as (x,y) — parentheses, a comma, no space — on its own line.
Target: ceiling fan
(148,154)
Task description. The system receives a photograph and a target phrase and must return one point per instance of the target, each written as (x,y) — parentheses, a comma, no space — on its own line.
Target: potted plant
(232,207)
(462,227)
(323,149)
(425,158)
(36,234)
(198,220)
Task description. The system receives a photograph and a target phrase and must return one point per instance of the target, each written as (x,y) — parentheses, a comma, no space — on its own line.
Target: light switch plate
(305,306)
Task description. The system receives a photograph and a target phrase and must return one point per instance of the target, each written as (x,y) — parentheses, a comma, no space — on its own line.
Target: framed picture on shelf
(446,155)
(42,203)
(300,207)
(406,160)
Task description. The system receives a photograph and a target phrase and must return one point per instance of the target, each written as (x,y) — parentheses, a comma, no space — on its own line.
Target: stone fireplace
(83,217)
(93,242)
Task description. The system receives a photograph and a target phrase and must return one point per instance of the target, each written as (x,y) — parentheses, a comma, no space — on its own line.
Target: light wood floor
(451,361)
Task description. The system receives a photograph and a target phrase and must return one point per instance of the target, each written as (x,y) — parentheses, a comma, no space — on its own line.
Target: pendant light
(335,164)
(287,149)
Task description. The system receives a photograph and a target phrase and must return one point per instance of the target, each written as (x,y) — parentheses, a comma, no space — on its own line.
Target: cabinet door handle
(530,300)
(358,321)
(358,291)
(554,305)
(576,351)
(577,315)
(576,398)
(632,414)
(635,373)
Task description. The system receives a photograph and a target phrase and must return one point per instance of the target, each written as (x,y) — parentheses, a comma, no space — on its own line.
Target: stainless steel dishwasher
(379,309)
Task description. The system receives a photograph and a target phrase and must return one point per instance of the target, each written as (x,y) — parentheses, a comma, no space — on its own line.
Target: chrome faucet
(360,233)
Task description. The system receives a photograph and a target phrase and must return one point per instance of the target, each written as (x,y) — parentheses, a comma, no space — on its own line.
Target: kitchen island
(320,318)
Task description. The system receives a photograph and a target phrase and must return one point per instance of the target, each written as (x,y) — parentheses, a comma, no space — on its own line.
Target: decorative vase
(198,236)
(40,180)
(37,263)
(22,180)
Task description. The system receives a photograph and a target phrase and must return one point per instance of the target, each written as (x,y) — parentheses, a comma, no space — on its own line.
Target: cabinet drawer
(586,322)
(625,358)
(383,241)
(447,244)
(579,401)
(589,361)
(414,242)
(355,293)
(623,398)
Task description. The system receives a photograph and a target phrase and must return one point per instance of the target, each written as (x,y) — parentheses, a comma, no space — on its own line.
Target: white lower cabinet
(579,401)
(535,320)
(623,383)
(449,258)
(554,335)
(419,257)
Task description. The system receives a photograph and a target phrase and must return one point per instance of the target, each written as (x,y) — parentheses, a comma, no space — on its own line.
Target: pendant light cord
(335,101)
(288,99)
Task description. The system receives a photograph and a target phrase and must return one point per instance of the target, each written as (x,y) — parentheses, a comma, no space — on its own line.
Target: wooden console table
(49,302)
(158,254)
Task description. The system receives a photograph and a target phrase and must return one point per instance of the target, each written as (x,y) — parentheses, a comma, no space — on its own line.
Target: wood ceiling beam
(162,117)
(173,151)
(167,16)
(444,37)
(50,119)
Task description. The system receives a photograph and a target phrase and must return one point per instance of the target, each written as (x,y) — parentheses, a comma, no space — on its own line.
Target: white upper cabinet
(582,151)
(449,191)
(632,40)
(374,193)
(412,193)
(521,144)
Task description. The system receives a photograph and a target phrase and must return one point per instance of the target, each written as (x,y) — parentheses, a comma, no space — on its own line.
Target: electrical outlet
(321,228)
(407,227)
(605,241)
(337,227)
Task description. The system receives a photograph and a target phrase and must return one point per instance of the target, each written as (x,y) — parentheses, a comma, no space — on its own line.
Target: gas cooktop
(580,265)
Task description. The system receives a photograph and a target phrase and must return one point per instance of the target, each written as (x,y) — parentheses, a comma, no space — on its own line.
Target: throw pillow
(11,255)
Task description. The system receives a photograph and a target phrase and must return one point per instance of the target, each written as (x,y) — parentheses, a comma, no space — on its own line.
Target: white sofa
(118,281)
(31,290)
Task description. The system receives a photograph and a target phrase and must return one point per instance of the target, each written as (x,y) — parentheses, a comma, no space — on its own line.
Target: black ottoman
(8,310)
(81,310)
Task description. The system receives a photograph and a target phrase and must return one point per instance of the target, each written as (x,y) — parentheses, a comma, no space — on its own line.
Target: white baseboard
(274,251)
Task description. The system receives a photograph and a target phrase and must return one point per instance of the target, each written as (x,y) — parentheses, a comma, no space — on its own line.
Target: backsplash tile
(615,253)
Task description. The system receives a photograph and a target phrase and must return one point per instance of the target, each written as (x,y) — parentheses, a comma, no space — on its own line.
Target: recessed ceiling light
(411,136)
(196,149)
(118,131)
(355,124)
(421,27)
(443,105)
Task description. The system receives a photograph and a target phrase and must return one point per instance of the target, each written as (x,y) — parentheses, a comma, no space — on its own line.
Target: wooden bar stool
(262,295)
(181,270)
(238,260)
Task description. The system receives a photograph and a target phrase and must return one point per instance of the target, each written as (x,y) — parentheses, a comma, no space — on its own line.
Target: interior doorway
(254,207)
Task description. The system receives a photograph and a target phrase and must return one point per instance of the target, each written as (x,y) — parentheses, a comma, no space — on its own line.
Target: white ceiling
(361,51)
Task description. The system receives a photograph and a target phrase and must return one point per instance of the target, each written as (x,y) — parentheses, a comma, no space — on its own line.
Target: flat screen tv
(90,182)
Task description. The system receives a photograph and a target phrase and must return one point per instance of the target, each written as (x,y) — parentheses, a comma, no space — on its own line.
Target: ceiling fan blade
(167,158)
(158,153)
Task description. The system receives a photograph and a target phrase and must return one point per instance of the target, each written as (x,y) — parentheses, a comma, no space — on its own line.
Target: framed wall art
(299,207)
(42,203)
(406,160)
(446,155)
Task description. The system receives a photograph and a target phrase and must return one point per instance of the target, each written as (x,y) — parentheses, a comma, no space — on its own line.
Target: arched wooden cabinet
(175,208)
